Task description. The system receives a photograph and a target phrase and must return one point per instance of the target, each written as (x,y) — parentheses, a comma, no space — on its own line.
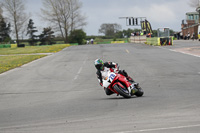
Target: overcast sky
(160,13)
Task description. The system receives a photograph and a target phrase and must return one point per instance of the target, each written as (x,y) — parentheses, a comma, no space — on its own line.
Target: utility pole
(199,10)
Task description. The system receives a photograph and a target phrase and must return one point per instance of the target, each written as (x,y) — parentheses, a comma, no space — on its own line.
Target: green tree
(155,33)
(119,34)
(77,36)
(30,31)
(4,31)
(171,32)
(15,12)
(109,29)
(47,37)
(128,32)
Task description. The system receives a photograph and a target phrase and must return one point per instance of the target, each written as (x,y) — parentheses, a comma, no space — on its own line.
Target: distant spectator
(181,35)
(88,41)
(178,35)
(193,36)
(188,36)
(185,38)
(149,35)
(92,41)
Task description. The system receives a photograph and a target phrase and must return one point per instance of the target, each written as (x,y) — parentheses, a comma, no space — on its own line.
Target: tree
(15,14)
(1,11)
(109,29)
(77,36)
(46,38)
(65,15)
(127,33)
(30,31)
(119,34)
(196,4)
(77,19)
(4,30)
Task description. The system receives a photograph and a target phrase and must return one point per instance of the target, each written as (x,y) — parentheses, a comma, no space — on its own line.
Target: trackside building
(190,26)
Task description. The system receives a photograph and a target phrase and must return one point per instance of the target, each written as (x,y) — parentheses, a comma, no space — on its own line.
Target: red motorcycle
(118,84)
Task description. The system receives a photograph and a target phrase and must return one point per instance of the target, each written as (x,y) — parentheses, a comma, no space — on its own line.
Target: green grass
(10,62)
(13,57)
(33,49)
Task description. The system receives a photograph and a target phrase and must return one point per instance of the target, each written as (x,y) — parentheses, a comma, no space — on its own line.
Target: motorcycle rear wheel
(121,91)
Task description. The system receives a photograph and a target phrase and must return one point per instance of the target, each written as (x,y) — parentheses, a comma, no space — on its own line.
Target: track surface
(60,93)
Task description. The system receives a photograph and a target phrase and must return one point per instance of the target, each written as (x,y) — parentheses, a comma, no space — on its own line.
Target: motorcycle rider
(103,68)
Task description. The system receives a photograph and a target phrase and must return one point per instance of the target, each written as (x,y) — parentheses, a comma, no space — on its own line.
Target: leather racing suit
(113,67)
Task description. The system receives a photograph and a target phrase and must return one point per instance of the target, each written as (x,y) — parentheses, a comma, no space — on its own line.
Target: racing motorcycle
(118,84)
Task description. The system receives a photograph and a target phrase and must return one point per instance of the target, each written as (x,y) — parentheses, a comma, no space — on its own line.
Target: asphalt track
(60,93)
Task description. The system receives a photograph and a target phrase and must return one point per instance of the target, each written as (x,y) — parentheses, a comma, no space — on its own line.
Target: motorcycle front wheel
(122,91)
(140,92)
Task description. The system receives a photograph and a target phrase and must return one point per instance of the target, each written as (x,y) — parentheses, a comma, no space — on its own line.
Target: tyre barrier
(21,45)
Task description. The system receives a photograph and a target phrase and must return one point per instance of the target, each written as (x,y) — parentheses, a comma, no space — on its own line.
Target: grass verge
(33,49)
(13,57)
(10,62)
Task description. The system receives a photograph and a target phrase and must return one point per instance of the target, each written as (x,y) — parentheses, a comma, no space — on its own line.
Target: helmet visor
(99,66)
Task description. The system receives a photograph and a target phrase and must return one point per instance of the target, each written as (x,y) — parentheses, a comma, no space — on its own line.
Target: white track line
(127,51)
(184,53)
(173,50)
(161,129)
(79,71)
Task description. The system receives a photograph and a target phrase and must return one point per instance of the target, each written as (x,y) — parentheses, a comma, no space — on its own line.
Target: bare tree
(194,3)
(77,19)
(16,14)
(65,15)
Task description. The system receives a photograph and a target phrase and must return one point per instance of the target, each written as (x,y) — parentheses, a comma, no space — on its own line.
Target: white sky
(160,13)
